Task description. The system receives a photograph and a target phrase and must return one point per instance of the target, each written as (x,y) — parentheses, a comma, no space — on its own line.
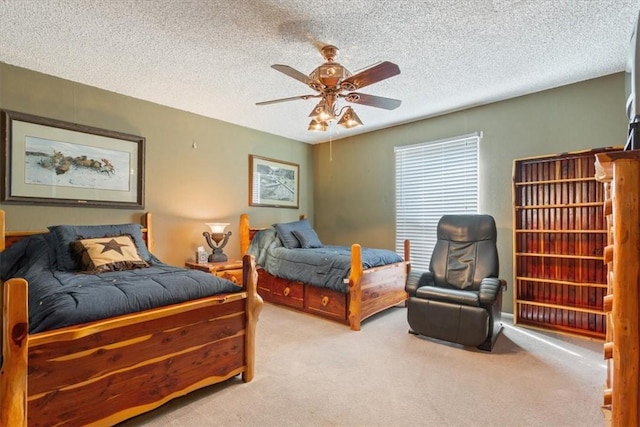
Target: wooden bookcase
(559,238)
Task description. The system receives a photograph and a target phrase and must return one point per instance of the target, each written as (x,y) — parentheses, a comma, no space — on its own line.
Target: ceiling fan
(332,82)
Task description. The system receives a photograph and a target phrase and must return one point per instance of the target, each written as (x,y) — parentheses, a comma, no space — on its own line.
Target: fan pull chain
(331,143)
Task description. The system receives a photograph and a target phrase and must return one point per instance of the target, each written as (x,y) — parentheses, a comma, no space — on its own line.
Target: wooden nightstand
(230,270)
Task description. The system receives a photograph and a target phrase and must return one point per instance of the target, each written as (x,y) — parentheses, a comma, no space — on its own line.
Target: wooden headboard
(8,238)
(247,233)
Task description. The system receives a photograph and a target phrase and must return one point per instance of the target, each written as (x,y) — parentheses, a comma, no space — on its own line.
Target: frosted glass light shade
(316,126)
(350,119)
(217,227)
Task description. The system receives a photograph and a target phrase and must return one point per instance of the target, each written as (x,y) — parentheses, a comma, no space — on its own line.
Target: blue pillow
(285,232)
(66,234)
(308,238)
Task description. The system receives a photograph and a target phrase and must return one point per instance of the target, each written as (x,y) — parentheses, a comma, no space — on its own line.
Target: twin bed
(344,284)
(173,330)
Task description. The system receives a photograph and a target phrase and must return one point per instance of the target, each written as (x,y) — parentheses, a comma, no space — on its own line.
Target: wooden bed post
(2,230)
(355,288)
(245,239)
(254,306)
(13,344)
(1,304)
(146,223)
(13,376)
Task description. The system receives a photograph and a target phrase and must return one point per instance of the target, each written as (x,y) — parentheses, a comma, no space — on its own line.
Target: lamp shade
(317,126)
(217,227)
(349,119)
(322,112)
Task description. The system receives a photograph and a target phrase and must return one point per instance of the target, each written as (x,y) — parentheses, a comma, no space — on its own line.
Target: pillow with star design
(111,253)
(65,235)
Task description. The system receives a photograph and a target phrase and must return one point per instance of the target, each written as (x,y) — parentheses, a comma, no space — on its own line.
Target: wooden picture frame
(273,183)
(52,162)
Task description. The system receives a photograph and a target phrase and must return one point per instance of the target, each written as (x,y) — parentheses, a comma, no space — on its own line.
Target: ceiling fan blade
(366,68)
(378,72)
(292,98)
(292,72)
(372,100)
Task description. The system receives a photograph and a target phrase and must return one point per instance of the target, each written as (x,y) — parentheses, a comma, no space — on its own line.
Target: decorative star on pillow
(110,253)
(112,245)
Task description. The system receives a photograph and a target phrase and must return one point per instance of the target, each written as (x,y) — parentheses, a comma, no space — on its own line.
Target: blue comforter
(327,266)
(63,298)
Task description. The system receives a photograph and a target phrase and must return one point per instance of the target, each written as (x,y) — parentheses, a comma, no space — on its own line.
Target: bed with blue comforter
(96,329)
(327,266)
(348,284)
(61,297)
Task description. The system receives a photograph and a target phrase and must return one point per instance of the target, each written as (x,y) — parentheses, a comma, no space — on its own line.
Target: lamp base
(218,257)
(216,242)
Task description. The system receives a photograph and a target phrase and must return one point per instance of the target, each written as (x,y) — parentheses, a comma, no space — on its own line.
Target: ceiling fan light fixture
(322,112)
(350,119)
(317,126)
(331,82)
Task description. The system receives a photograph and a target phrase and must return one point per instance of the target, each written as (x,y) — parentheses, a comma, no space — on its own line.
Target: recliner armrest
(417,279)
(489,289)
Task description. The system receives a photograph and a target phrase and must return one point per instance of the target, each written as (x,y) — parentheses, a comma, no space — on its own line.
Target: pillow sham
(116,253)
(285,232)
(65,235)
(307,238)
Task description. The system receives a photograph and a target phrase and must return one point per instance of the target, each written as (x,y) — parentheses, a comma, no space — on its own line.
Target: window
(433,179)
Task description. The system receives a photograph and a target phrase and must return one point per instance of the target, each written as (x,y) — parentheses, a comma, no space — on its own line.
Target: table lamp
(217,239)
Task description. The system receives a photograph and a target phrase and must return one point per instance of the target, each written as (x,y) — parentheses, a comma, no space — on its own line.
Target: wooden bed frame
(110,370)
(370,291)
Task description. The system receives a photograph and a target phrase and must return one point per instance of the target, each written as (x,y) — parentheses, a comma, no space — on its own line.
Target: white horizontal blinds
(433,179)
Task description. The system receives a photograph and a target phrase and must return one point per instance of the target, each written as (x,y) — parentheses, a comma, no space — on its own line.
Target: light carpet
(315,372)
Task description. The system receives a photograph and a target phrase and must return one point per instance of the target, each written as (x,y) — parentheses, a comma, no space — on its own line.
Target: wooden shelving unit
(559,238)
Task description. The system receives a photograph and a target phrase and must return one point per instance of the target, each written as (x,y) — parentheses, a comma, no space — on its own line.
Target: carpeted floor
(314,372)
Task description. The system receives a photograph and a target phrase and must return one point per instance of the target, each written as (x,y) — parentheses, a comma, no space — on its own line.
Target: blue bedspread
(63,298)
(324,267)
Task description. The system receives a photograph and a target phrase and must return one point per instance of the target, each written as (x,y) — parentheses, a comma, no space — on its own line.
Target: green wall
(185,187)
(347,189)
(354,194)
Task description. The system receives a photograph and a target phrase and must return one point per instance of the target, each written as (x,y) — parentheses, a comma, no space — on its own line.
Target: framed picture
(47,161)
(273,183)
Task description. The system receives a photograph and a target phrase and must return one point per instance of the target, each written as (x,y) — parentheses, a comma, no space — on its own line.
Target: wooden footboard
(107,371)
(375,289)
(370,291)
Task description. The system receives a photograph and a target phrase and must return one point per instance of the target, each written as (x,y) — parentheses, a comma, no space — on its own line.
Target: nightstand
(230,270)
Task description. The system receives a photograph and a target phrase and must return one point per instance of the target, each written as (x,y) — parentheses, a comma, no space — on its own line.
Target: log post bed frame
(107,371)
(370,291)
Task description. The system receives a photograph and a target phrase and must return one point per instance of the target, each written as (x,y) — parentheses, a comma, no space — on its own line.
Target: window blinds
(433,179)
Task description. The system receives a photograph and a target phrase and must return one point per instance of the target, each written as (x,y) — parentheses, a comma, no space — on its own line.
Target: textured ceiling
(213,57)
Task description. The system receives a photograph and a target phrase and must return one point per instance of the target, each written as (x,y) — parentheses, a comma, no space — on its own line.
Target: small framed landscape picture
(273,183)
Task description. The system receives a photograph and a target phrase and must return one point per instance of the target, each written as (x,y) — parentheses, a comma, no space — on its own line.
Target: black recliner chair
(460,298)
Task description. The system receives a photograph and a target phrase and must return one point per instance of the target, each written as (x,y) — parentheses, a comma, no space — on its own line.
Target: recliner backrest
(465,251)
